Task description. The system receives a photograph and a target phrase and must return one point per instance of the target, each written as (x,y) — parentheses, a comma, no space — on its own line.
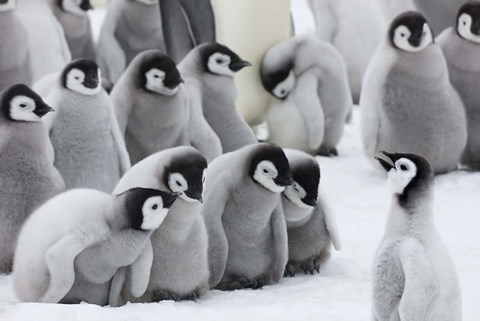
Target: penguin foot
(166,295)
(327,151)
(308,266)
(242,283)
(290,270)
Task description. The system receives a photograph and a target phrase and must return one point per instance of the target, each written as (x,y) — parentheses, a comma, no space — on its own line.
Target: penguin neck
(180,220)
(294,214)
(462,54)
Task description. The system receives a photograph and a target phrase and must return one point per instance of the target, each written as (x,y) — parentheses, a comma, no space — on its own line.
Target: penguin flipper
(119,141)
(118,281)
(330,222)
(280,242)
(140,271)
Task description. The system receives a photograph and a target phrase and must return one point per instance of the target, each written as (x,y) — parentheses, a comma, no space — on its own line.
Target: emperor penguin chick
(156,112)
(95,236)
(14,52)
(180,261)
(248,245)
(208,71)
(461,46)
(408,103)
(89,148)
(308,80)
(130,27)
(311,225)
(27,175)
(414,277)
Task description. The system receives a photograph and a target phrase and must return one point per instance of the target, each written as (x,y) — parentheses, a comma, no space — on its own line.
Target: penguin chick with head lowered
(74,18)
(310,224)
(461,46)
(130,27)
(208,71)
(27,175)
(311,97)
(180,261)
(156,112)
(408,103)
(95,234)
(248,245)
(413,275)
(14,53)
(89,148)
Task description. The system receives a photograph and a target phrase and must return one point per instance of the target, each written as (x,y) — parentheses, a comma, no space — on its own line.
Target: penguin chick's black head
(219,59)
(84,72)
(270,80)
(143,204)
(409,175)
(408,32)
(85,5)
(307,175)
(468,20)
(269,166)
(167,70)
(20,103)
(185,174)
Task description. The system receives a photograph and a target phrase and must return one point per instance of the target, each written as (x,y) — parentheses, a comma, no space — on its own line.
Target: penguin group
(158,188)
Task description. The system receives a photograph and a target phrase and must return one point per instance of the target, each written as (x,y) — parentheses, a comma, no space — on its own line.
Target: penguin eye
(265,171)
(154,207)
(178,183)
(403,167)
(77,78)
(23,105)
(402,34)
(219,61)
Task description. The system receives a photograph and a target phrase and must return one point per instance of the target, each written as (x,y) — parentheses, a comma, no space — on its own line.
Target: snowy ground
(360,198)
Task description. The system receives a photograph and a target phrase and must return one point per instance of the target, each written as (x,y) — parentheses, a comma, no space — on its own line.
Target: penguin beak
(310,201)
(195,194)
(416,38)
(284,181)
(86,5)
(169,199)
(385,159)
(475,29)
(172,84)
(239,65)
(91,83)
(42,110)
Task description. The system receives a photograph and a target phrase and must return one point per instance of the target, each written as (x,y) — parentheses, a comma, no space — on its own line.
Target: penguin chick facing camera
(311,225)
(414,277)
(155,110)
(408,102)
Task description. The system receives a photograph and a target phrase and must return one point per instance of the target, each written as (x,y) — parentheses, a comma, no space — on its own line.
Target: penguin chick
(156,112)
(14,53)
(208,71)
(461,46)
(27,175)
(95,234)
(248,245)
(130,27)
(89,148)
(180,261)
(413,275)
(408,103)
(311,226)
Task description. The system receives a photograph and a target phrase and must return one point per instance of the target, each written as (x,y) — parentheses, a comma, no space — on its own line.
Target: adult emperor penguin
(130,27)
(27,175)
(74,18)
(311,225)
(14,53)
(461,46)
(308,79)
(248,245)
(180,261)
(95,235)
(408,103)
(208,71)
(413,275)
(156,112)
(89,148)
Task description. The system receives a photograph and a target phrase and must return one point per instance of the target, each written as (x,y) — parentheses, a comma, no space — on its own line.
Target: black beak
(171,84)
(169,199)
(42,110)
(195,194)
(239,65)
(284,181)
(475,28)
(86,5)
(385,159)
(310,201)
(91,83)
(416,38)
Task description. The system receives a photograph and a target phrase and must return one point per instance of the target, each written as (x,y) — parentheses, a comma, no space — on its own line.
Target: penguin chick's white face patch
(219,64)
(21,109)
(265,173)
(147,2)
(403,34)
(178,184)
(153,213)
(75,82)
(155,78)
(8,5)
(464,28)
(400,176)
(295,193)
(284,88)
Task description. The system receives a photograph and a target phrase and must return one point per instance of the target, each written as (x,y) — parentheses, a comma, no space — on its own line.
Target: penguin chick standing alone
(14,53)
(180,261)
(130,27)
(155,112)
(248,245)
(308,79)
(413,275)
(310,224)
(461,46)
(208,71)
(27,175)
(89,147)
(408,103)
(94,235)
